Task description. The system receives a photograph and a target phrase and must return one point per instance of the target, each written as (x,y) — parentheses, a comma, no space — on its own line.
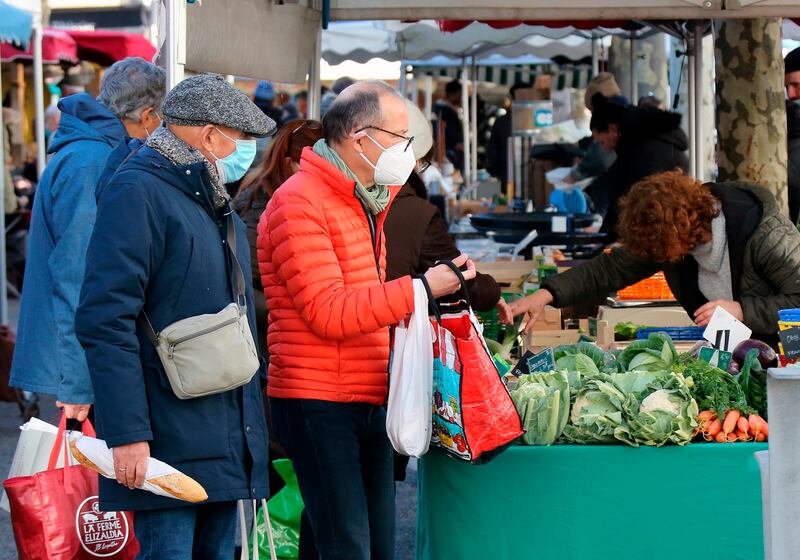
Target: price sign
(717,358)
(790,340)
(522,366)
(725,331)
(543,361)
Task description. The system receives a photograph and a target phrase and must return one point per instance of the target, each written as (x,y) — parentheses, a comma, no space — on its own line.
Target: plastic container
(653,288)
(675,333)
(783,501)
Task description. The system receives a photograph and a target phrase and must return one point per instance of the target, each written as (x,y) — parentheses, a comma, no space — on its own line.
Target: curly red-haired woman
(724,244)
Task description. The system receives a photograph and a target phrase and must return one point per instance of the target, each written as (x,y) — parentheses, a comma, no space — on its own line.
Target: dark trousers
(201,532)
(343,460)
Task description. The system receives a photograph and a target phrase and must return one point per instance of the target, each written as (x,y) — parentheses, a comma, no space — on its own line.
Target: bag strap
(433,308)
(61,441)
(238,284)
(455,269)
(237,280)
(243,530)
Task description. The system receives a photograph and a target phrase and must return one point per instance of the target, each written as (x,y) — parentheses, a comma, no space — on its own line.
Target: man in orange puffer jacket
(321,255)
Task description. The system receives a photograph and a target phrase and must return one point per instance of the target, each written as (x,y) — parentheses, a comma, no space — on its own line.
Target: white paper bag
(98,453)
(408,414)
(36,440)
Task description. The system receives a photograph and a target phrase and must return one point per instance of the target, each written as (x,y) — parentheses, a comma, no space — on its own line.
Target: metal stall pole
(595,56)
(474,122)
(415,91)
(3,279)
(691,80)
(175,43)
(428,96)
(314,79)
(403,81)
(697,101)
(634,74)
(467,168)
(38,93)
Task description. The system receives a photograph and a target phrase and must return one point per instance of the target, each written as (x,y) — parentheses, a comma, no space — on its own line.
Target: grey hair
(132,85)
(357,107)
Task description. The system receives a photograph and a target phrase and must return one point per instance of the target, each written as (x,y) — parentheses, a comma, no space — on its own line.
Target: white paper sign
(725,331)
(559,224)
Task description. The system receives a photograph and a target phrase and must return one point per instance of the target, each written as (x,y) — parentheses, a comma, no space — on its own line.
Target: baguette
(176,484)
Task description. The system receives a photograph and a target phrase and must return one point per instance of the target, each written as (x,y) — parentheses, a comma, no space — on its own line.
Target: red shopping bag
(474,418)
(56,513)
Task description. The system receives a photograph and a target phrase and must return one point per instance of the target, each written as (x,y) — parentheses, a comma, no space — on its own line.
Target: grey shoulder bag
(208,354)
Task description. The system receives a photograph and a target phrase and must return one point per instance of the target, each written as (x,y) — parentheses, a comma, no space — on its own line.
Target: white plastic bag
(408,415)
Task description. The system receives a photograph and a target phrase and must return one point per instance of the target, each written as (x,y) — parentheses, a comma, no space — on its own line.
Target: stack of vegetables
(645,395)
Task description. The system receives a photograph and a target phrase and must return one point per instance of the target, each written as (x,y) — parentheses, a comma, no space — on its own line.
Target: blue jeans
(343,460)
(204,532)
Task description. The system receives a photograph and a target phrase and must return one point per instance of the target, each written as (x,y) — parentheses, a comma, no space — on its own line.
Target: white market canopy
(562,9)
(361,41)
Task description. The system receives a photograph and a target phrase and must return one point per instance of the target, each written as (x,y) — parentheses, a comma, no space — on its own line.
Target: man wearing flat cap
(166,247)
(792,80)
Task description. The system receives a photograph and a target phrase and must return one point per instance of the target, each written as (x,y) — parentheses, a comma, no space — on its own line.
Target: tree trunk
(751,111)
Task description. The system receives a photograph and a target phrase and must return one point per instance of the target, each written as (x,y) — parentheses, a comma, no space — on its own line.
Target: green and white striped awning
(564,77)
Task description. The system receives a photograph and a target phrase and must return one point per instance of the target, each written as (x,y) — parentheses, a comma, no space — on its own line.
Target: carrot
(706,415)
(721,437)
(714,427)
(730,421)
(742,425)
(742,436)
(732,437)
(764,427)
(708,437)
(755,424)
(761,437)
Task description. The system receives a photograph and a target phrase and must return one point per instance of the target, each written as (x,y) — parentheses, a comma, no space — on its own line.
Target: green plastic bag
(285,509)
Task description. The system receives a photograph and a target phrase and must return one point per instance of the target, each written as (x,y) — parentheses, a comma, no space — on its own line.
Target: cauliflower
(580,402)
(659,400)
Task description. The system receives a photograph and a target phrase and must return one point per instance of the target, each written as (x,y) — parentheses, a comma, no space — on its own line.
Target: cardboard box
(539,340)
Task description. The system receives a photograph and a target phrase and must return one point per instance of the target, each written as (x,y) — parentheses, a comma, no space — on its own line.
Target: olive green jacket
(764,248)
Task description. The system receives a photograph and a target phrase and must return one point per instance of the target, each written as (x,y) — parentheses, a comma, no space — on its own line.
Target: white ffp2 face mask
(394,165)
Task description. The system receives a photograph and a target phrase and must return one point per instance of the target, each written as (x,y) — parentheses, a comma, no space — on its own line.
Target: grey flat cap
(209,99)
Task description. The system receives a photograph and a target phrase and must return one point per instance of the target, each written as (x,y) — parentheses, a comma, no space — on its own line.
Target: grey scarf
(180,153)
(714,263)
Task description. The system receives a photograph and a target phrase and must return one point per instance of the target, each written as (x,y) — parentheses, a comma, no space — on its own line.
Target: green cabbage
(657,353)
(636,408)
(542,401)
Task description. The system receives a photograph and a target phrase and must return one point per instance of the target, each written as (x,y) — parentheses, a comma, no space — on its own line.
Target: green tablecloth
(699,502)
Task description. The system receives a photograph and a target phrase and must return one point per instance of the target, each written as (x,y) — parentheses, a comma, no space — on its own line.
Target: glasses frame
(424,165)
(409,139)
(310,123)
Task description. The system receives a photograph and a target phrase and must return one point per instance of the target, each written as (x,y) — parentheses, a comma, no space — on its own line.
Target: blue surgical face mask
(234,166)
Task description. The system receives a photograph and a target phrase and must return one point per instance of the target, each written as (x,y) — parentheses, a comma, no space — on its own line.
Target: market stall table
(612,502)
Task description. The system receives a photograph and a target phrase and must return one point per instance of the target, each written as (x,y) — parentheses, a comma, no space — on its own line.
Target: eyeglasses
(389,132)
(312,125)
(423,166)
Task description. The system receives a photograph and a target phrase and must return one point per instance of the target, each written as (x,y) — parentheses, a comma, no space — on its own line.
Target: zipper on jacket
(372,234)
(198,334)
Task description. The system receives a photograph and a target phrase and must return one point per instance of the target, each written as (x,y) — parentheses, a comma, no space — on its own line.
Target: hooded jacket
(158,247)
(651,141)
(48,358)
(323,269)
(764,250)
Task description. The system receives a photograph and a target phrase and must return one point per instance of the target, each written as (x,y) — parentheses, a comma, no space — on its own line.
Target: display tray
(625,303)
(527,221)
